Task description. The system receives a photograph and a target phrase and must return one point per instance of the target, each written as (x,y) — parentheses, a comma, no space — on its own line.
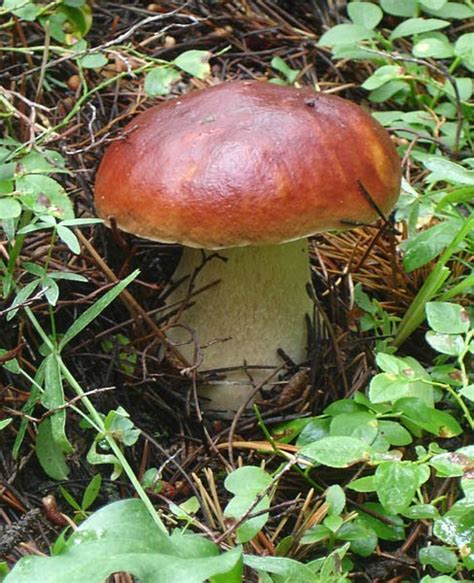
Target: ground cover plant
(355,465)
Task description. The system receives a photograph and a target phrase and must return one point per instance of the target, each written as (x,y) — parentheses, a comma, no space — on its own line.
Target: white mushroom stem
(258,305)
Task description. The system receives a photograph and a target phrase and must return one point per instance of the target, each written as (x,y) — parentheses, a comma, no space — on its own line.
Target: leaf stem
(97,419)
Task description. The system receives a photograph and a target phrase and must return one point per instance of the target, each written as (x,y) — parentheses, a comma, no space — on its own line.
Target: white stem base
(258,306)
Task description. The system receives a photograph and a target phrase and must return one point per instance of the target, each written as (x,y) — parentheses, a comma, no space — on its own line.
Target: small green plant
(120,428)
(67,21)
(94,551)
(81,509)
(288,74)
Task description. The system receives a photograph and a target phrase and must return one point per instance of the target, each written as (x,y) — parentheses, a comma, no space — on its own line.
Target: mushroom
(246,171)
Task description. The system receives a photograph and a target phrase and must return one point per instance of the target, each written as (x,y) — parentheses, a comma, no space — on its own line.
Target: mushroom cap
(247,163)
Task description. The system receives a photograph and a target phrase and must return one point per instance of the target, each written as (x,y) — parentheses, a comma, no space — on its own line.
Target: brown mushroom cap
(247,163)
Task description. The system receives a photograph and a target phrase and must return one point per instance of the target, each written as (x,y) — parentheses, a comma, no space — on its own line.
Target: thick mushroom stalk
(259,304)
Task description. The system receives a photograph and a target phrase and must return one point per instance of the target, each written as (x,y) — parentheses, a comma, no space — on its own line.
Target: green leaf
(463,48)
(382,75)
(51,290)
(70,499)
(74,3)
(93,311)
(286,569)
(66,276)
(365,484)
(333,522)
(49,453)
(394,433)
(280,65)
(5,423)
(447,318)
(397,8)
(345,34)
(118,423)
(468,561)
(432,420)
(42,162)
(95,457)
(453,464)
(246,484)
(247,481)
(91,492)
(21,297)
(24,9)
(160,80)
(392,364)
(94,61)
(456,527)
(434,48)
(43,194)
(468,392)
(443,170)
(10,208)
(414,26)
(53,398)
(451,344)
(404,381)
(195,63)
(343,406)
(336,499)
(396,484)
(427,245)
(69,238)
(95,551)
(11,365)
(315,534)
(362,537)
(433,4)
(185,510)
(80,222)
(465,87)
(314,430)
(361,298)
(336,452)
(286,432)
(440,579)
(389,90)
(67,24)
(440,558)
(391,529)
(463,194)
(329,567)
(424,473)
(364,14)
(421,512)
(452,10)
(363,425)
(353,52)
(4,570)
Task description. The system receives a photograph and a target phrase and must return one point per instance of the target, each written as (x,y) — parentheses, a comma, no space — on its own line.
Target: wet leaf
(440,558)
(396,484)
(195,63)
(142,549)
(160,80)
(336,452)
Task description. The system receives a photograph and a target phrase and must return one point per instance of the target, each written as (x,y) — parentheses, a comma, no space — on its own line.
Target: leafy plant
(88,498)
(161,78)
(123,537)
(246,484)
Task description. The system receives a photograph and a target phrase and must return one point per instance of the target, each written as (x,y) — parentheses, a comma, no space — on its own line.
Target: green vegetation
(384,473)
